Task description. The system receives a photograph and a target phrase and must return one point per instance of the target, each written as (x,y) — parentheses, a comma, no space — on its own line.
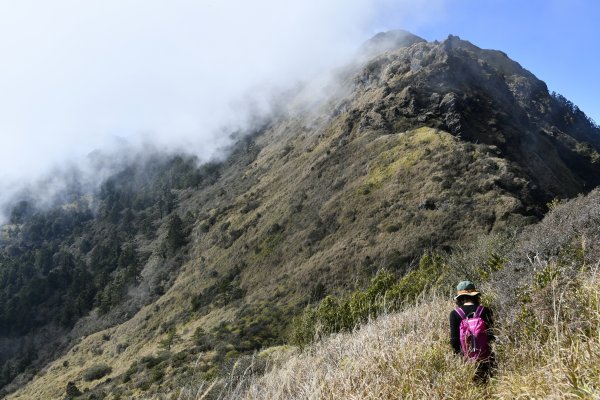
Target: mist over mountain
(177,76)
(173,270)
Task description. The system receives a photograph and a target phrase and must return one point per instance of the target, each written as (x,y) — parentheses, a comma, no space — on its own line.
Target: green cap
(465,288)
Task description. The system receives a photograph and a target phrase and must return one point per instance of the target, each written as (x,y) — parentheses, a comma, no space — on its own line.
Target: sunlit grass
(406,355)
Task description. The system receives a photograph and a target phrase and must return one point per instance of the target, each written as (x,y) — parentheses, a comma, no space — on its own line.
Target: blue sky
(557,40)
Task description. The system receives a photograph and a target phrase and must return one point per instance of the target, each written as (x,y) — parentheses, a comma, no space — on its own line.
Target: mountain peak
(389,40)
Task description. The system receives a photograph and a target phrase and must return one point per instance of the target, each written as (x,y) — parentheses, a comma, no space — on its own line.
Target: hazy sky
(77,75)
(80,75)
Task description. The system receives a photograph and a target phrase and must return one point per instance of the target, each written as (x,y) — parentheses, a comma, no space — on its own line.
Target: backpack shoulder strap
(460,312)
(478,312)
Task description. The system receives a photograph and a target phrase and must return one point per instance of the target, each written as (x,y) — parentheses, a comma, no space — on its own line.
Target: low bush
(96,372)
(384,293)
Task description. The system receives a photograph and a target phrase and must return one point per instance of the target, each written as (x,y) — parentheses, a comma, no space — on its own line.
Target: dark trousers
(485,369)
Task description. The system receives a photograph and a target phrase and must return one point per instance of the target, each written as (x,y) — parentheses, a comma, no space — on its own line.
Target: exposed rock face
(483,97)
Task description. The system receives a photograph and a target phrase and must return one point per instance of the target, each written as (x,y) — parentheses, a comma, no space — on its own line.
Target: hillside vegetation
(546,296)
(424,165)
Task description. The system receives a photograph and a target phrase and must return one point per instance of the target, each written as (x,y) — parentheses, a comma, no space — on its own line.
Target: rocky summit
(174,271)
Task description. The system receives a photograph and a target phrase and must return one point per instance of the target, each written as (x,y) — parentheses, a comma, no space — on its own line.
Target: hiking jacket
(455,319)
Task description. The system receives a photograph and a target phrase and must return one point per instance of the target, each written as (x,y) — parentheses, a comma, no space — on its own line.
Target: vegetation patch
(411,148)
(221,293)
(385,293)
(268,245)
(96,372)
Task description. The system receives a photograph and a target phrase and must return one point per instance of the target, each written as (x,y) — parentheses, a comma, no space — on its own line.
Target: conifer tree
(176,235)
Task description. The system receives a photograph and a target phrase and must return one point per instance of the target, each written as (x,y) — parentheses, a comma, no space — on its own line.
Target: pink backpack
(473,335)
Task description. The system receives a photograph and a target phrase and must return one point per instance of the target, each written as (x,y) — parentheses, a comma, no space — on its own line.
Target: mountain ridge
(435,145)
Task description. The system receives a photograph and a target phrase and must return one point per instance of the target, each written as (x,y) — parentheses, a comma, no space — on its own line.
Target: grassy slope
(381,195)
(333,197)
(548,333)
(406,355)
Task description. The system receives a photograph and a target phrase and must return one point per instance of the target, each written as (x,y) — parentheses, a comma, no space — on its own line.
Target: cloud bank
(76,75)
(112,74)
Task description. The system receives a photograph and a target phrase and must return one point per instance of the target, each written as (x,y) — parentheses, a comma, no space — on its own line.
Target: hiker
(471,330)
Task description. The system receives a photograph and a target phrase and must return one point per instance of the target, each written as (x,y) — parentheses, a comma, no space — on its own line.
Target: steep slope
(547,320)
(484,97)
(430,146)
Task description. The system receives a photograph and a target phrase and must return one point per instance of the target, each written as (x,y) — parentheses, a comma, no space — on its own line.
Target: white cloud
(78,76)
(75,74)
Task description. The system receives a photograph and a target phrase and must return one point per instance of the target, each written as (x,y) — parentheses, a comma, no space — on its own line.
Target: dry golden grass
(397,356)
(402,355)
(567,364)
(406,355)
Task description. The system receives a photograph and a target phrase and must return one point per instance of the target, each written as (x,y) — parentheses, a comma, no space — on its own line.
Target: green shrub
(494,263)
(96,372)
(392,228)
(384,293)
(546,276)
(133,368)
(72,391)
(203,340)
(430,273)
(222,292)
(151,361)
(303,327)
(268,245)
(158,373)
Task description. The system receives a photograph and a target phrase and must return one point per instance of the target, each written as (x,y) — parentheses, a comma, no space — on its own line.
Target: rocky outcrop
(481,96)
